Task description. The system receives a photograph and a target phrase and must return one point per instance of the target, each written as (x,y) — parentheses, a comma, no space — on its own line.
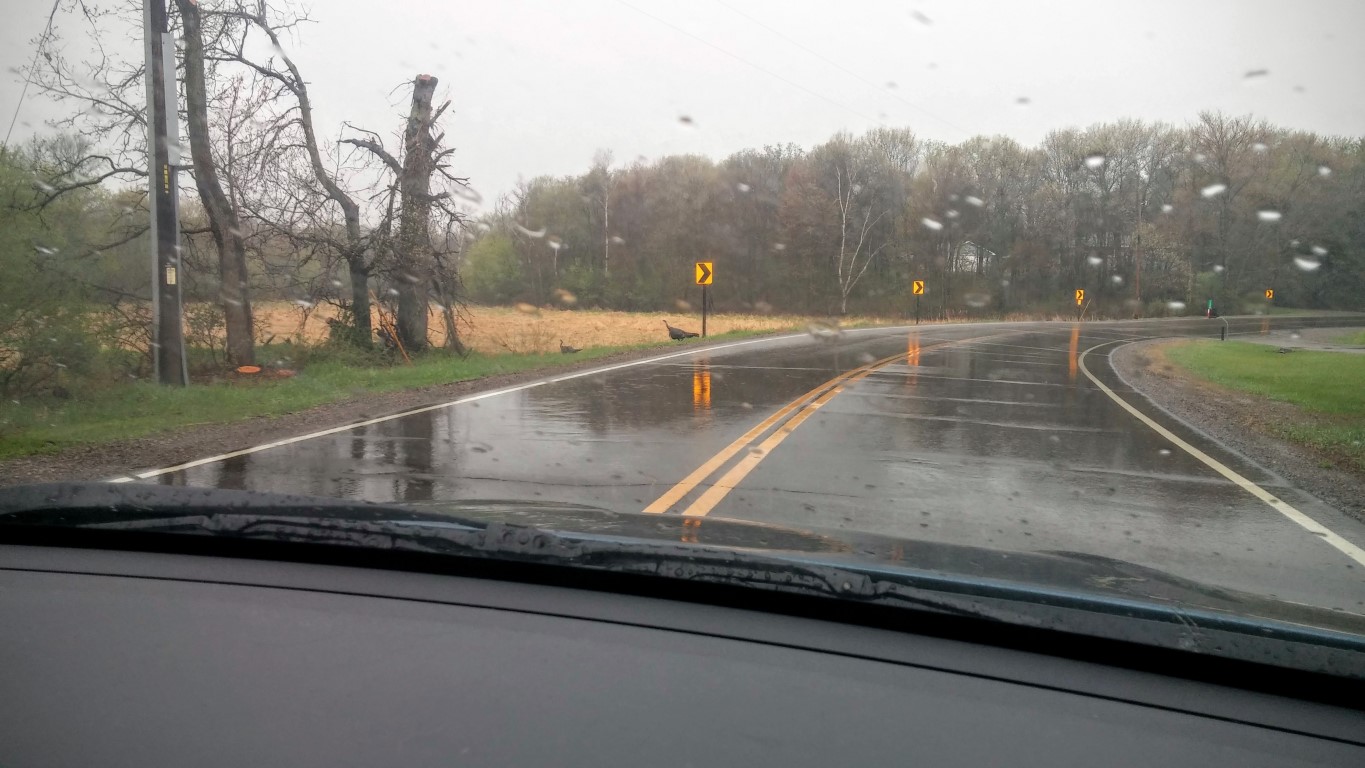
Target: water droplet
(891,84)
(763,307)
(335,282)
(686,121)
(1295,335)
(951,214)
(1252,74)
(742,187)
(1217,267)
(1259,147)
(391,292)
(44,250)
(44,187)
(565,297)
(1023,101)
(823,331)
(536,233)
(306,304)
(1164,452)
(921,18)
(866,358)
(977,299)
(1094,161)
(617,240)
(1268,215)
(779,246)
(1176,306)
(1167,208)
(747,406)
(1306,264)
(756,451)
(1200,157)
(1116,279)
(554,243)
(682,305)
(1324,170)
(1318,250)
(467,193)
(1213,190)
(1054,439)
(527,309)
(1094,261)
(974,201)
(931,223)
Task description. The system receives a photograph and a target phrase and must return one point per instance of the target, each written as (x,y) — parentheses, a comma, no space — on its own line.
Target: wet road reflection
(995,439)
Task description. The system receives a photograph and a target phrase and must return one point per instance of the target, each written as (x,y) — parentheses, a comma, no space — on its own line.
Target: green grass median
(1328,388)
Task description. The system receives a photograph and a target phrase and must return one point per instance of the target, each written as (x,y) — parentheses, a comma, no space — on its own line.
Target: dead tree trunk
(223,221)
(413,264)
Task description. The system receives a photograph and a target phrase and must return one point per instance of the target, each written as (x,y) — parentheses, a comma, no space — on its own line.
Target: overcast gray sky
(539,85)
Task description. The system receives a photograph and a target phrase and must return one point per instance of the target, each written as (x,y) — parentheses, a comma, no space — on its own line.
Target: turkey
(678,334)
(565,349)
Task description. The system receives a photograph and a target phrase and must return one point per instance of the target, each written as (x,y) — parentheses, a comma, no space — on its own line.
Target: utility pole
(163,129)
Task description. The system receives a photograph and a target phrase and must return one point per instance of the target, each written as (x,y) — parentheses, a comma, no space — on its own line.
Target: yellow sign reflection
(691,527)
(1071,353)
(701,387)
(912,350)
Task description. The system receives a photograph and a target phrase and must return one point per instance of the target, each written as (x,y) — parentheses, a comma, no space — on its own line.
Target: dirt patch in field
(1242,421)
(528,329)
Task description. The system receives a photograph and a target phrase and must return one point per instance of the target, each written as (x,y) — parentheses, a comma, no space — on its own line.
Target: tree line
(1144,216)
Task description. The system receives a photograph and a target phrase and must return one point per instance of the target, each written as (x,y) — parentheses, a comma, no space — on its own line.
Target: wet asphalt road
(983,434)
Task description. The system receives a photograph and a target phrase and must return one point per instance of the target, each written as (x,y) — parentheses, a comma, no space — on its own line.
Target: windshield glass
(1064,298)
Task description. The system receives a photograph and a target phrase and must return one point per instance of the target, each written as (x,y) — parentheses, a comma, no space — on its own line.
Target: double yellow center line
(794,414)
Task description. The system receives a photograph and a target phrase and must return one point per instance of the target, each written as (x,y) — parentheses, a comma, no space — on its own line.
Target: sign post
(705,274)
(1080,299)
(917,288)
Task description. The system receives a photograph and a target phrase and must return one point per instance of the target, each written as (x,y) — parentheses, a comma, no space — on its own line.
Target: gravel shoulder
(100,462)
(1240,421)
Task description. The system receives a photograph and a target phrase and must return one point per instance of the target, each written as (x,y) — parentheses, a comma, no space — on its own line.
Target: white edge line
(423,409)
(1277,504)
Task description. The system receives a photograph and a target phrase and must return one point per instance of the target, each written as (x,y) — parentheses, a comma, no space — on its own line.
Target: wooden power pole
(168,331)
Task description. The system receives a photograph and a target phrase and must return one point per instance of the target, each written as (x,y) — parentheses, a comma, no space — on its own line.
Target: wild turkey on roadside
(678,334)
(565,349)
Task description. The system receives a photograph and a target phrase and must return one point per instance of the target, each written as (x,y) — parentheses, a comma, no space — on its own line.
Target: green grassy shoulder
(1356,339)
(140,408)
(1327,387)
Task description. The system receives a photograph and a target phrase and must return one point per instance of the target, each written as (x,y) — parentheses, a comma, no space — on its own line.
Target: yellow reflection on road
(912,359)
(701,387)
(1071,353)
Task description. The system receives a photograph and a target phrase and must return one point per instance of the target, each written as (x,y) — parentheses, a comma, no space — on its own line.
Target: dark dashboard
(117,658)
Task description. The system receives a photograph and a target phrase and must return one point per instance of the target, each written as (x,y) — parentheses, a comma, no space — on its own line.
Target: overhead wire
(28,77)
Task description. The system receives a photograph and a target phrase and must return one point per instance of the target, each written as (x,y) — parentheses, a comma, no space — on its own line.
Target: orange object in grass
(248,369)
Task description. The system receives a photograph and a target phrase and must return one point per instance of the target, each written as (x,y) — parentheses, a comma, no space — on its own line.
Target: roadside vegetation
(1326,387)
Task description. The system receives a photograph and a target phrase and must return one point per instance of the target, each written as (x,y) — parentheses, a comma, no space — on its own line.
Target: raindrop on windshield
(467,193)
(682,305)
(975,201)
(1116,279)
(537,233)
(686,121)
(931,223)
(1268,215)
(1318,250)
(44,250)
(1306,264)
(823,331)
(866,358)
(1213,190)
(1164,452)
(305,303)
(891,84)
(921,18)
(977,300)
(44,187)
(1293,243)
(1259,147)
(618,240)
(1167,208)
(554,243)
(951,213)
(1217,267)
(1324,170)
(529,309)
(1023,101)
(779,246)
(1253,74)
(335,282)
(763,307)
(565,297)
(1176,306)
(742,187)
(1094,261)
(1094,161)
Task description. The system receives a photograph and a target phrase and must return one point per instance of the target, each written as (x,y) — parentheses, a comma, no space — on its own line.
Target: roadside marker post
(1080,300)
(705,273)
(917,288)
(1270,294)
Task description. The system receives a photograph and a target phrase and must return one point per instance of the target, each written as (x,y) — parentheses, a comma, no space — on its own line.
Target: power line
(844,69)
(29,76)
(746,62)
